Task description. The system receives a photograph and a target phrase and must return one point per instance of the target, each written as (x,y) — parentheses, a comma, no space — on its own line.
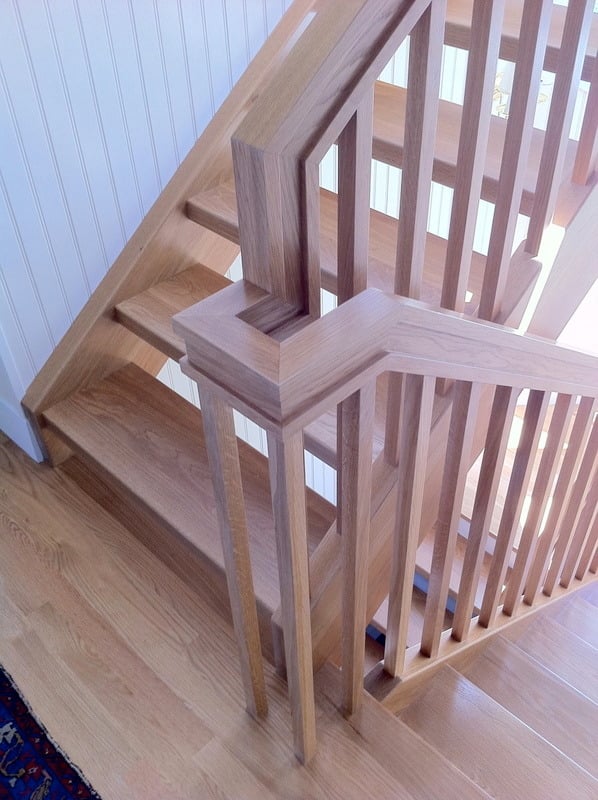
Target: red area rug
(32,766)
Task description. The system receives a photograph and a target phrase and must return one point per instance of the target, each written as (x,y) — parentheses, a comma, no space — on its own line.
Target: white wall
(100,100)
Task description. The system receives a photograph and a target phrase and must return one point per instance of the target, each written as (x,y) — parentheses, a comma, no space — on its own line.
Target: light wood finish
(149,314)
(561,494)
(382,252)
(223,456)
(577,616)
(425,54)
(415,437)
(393,744)
(389,125)
(581,489)
(458,459)
(140,436)
(533,421)
(354,480)
(354,168)
(134,671)
(561,296)
(503,408)
(486,24)
(165,243)
(285,460)
(480,737)
(561,651)
(582,532)
(564,95)
(587,148)
(534,33)
(458,33)
(538,697)
(585,561)
(281,384)
(541,494)
(279,144)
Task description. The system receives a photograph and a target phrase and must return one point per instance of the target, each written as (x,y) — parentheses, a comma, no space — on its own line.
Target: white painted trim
(15,425)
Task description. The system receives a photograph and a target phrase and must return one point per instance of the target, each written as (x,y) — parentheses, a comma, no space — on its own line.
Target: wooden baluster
(547,470)
(223,455)
(287,482)
(354,165)
(414,441)
(587,147)
(486,27)
(572,53)
(520,476)
(354,480)
(581,533)
(560,496)
(590,547)
(458,461)
(355,416)
(421,113)
(577,499)
(532,43)
(501,417)
(594,564)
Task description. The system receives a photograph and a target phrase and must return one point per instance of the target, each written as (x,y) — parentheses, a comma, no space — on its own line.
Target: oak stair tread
(489,744)
(457,32)
(138,434)
(149,314)
(389,126)
(423,568)
(399,751)
(559,650)
(540,698)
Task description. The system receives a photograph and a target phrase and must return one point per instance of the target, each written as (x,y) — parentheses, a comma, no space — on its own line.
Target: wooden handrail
(283,387)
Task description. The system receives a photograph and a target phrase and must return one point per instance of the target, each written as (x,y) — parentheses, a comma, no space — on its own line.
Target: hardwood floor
(134,671)
(135,674)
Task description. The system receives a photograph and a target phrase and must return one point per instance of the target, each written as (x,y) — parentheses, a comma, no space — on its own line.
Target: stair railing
(259,346)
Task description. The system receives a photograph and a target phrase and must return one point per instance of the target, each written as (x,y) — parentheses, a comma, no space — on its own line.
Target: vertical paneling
(99,103)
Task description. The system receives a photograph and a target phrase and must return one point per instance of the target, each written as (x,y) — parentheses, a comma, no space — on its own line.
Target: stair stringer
(165,243)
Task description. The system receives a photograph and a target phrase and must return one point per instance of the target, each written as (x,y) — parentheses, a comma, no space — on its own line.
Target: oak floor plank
(561,651)
(579,616)
(534,694)
(121,659)
(481,738)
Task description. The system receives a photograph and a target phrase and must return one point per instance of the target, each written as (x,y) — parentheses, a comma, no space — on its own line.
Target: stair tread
(481,737)
(457,31)
(534,694)
(560,650)
(389,126)
(578,616)
(141,435)
(398,749)
(150,313)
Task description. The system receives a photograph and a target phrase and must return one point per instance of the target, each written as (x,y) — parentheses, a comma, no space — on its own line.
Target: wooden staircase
(145,453)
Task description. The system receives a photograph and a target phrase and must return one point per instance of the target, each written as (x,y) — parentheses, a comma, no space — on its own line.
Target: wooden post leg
(287,483)
(223,455)
(355,433)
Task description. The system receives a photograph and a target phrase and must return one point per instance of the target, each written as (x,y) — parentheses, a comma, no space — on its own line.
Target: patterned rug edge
(71,777)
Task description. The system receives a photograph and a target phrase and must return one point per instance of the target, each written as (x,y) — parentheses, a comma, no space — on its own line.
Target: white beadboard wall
(100,100)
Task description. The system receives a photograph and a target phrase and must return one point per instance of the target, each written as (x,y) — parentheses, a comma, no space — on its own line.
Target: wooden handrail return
(259,346)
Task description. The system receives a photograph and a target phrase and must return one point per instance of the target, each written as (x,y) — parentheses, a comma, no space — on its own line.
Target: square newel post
(223,455)
(287,482)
